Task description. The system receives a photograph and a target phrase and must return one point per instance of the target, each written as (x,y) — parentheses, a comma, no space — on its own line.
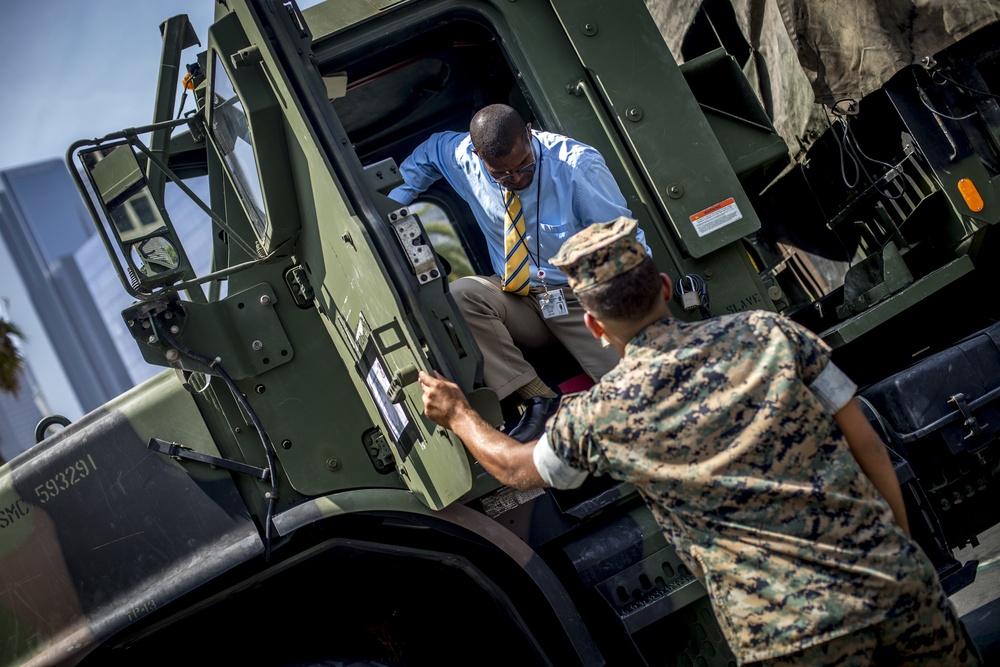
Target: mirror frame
(122,185)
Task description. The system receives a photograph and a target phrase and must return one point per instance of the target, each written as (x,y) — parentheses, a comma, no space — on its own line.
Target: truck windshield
(231,132)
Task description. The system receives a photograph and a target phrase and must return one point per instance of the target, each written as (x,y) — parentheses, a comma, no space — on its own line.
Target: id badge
(553,304)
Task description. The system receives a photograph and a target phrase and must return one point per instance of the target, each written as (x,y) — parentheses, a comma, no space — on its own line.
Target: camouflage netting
(805,52)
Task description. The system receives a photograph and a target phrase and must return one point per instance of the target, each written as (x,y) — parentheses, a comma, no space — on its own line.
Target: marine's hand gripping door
(382,302)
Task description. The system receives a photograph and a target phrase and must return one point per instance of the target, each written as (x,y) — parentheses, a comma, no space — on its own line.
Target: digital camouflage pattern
(599,253)
(928,634)
(717,426)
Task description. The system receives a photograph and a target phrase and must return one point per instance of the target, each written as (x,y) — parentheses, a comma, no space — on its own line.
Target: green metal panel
(551,72)
(243,330)
(884,311)
(356,295)
(637,78)
(327,18)
(733,110)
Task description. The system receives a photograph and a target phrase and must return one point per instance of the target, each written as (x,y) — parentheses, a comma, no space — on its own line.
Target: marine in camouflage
(725,427)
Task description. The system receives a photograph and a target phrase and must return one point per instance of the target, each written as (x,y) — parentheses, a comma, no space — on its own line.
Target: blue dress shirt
(572,189)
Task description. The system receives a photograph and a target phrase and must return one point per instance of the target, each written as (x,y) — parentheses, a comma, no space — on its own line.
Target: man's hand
(505,458)
(443,400)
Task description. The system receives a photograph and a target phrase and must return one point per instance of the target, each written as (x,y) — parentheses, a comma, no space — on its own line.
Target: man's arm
(870,453)
(599,199)
(422,167)
(510,461)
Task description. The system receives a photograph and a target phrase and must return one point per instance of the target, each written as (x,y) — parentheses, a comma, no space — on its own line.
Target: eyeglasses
(511,175)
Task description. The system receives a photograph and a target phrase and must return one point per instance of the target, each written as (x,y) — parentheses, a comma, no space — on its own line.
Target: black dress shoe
(537,411)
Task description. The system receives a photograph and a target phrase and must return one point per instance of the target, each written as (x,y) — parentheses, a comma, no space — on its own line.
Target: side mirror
(146,239)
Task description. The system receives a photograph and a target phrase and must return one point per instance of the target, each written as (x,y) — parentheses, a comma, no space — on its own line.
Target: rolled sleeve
(557,473)
(833,388)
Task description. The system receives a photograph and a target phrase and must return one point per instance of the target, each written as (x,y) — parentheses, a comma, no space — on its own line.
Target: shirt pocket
(558,232)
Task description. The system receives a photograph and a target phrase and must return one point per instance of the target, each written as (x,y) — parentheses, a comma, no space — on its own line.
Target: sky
(80,70)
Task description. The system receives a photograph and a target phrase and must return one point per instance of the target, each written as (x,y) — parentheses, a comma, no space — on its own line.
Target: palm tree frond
(11,359)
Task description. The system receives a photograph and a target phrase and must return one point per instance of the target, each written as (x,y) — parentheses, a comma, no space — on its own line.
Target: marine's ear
(668,287)
(592,323)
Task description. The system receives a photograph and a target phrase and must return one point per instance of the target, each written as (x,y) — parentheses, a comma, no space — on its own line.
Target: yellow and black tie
(517,271)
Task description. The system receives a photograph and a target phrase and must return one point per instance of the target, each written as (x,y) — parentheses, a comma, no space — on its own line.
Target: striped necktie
(517,272)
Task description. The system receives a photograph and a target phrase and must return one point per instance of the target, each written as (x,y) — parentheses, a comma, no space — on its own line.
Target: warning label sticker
(716,217)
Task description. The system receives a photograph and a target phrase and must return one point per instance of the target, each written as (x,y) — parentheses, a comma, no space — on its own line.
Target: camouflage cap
(599,253)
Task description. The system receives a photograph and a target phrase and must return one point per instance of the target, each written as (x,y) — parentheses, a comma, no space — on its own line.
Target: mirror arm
(133,131)
(113,251)
(192,285)
(222,273)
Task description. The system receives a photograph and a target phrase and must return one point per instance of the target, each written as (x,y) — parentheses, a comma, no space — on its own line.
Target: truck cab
(279,473)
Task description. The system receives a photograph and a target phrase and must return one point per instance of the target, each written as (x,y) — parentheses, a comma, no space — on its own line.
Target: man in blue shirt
(555,187)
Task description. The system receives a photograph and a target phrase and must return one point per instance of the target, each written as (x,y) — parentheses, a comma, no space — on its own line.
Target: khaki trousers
(503,324)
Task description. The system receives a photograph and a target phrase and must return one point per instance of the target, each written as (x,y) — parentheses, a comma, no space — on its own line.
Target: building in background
(42,223)
(20,413)
(63,292)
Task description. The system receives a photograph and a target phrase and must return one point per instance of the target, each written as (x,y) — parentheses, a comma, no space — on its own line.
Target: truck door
(657,114)
(365,263)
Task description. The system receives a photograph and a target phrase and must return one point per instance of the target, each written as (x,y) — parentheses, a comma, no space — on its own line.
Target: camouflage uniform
(725,428)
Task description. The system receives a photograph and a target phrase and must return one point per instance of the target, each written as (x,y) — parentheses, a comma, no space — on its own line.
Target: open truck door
(364,262)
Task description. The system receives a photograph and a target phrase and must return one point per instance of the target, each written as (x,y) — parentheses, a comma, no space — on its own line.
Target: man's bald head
(496,130)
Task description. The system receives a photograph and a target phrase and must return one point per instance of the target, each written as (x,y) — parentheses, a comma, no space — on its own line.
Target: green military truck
(276,497)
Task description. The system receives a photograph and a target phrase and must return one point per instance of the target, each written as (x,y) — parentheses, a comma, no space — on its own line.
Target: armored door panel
(661,120)
(366,265)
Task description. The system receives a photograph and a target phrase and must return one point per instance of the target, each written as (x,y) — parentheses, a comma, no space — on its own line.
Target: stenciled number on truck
(73,474)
